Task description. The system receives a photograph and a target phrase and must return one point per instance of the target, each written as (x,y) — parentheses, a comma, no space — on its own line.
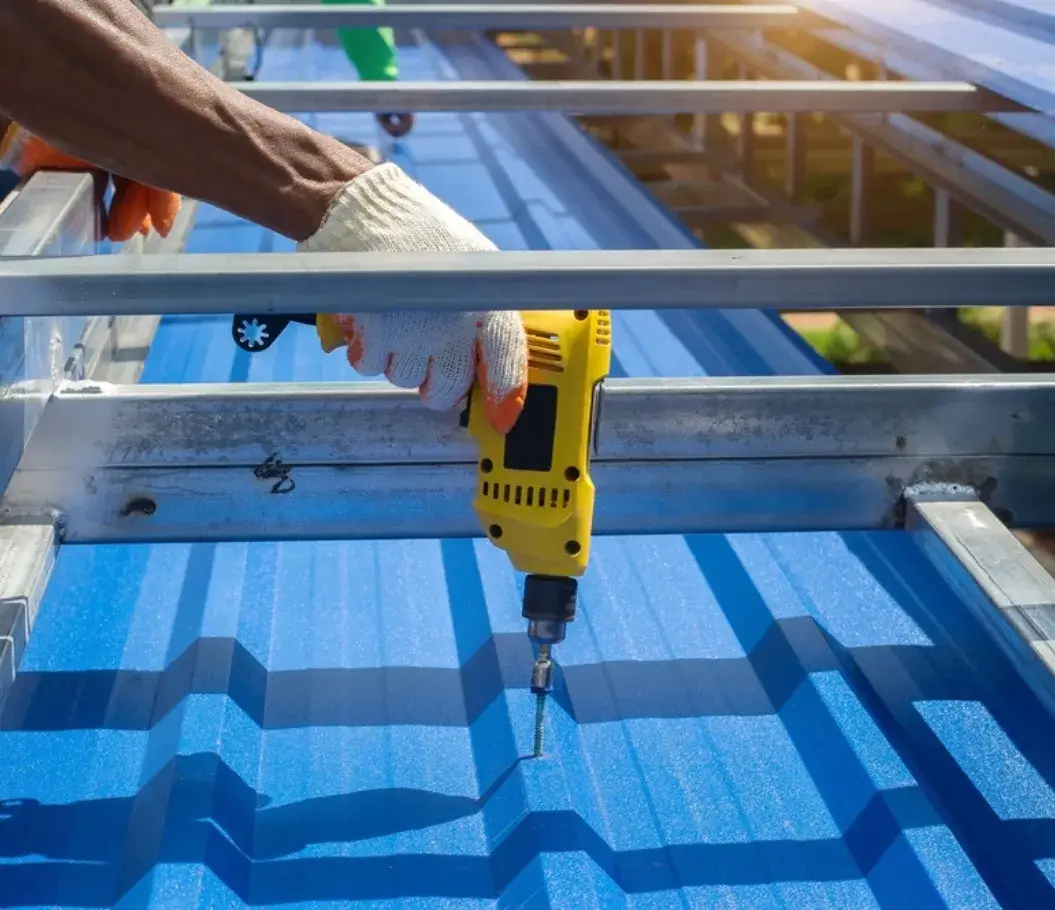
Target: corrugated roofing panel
(754,720)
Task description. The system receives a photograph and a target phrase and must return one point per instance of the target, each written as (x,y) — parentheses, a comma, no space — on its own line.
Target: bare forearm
(99,81)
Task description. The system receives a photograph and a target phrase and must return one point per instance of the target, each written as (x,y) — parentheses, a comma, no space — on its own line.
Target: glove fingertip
(355,352)
(128,211)
(503,413)
(502,410)
(164,207)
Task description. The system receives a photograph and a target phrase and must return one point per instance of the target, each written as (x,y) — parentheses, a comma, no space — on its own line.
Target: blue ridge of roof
(800,720)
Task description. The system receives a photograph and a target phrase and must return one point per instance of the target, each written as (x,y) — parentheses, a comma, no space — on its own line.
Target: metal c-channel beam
(487,16)
(619,97)
(830,279)
(216,462)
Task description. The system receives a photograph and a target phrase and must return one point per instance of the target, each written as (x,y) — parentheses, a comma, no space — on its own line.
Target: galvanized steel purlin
(788,417)
(327,461)
(487,16)
(282,501)
(801,279)
(629,97)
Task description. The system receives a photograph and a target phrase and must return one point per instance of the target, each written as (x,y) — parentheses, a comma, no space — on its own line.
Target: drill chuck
(549,605)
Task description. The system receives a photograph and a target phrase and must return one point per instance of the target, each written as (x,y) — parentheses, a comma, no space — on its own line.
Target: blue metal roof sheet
(801,720)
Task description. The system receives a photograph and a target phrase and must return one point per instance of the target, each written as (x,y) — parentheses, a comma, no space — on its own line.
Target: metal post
(745,144)
(705,63)
(1014,334)
(639,54)
(795,144)
(948,220)
(862,175)
(667,54)
(585,39)
(617,55)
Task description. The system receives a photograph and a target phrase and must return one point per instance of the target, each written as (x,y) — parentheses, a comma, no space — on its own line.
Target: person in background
(96,81)
(372,51)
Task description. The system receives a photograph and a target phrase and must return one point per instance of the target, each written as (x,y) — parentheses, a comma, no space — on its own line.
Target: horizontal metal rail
(215,462)
(658,97)
(835,279)
(488,16)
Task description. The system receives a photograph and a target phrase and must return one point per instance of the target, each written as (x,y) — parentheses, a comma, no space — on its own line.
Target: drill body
(534,496)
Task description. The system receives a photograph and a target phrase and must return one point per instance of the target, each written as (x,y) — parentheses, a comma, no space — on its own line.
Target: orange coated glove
(135,208)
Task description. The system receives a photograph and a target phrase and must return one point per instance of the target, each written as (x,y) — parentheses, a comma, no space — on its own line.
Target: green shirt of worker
(372,51)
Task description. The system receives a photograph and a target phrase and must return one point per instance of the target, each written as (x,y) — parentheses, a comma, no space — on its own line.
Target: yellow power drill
(534,496)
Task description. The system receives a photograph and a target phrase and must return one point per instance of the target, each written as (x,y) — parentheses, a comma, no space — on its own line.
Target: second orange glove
(135,208)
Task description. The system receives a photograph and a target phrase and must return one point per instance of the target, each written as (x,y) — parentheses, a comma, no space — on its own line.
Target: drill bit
(541,684)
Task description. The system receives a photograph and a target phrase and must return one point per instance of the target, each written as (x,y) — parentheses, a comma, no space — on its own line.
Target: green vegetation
(842,345)
(987,322)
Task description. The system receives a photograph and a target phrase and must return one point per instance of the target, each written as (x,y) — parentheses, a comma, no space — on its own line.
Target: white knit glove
(438,353)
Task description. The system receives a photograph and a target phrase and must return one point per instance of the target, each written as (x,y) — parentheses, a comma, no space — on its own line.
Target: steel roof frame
(913,338)
(1003,197)
(940,493)
(1000,195)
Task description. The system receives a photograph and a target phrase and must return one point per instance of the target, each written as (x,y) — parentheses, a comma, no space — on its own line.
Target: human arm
(99,81)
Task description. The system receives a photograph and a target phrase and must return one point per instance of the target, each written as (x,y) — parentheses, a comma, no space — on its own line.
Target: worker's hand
(135,208)
(396,125)
(439,353)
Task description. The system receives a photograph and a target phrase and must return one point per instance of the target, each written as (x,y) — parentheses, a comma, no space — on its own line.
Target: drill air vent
(544,351)
(528,497)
